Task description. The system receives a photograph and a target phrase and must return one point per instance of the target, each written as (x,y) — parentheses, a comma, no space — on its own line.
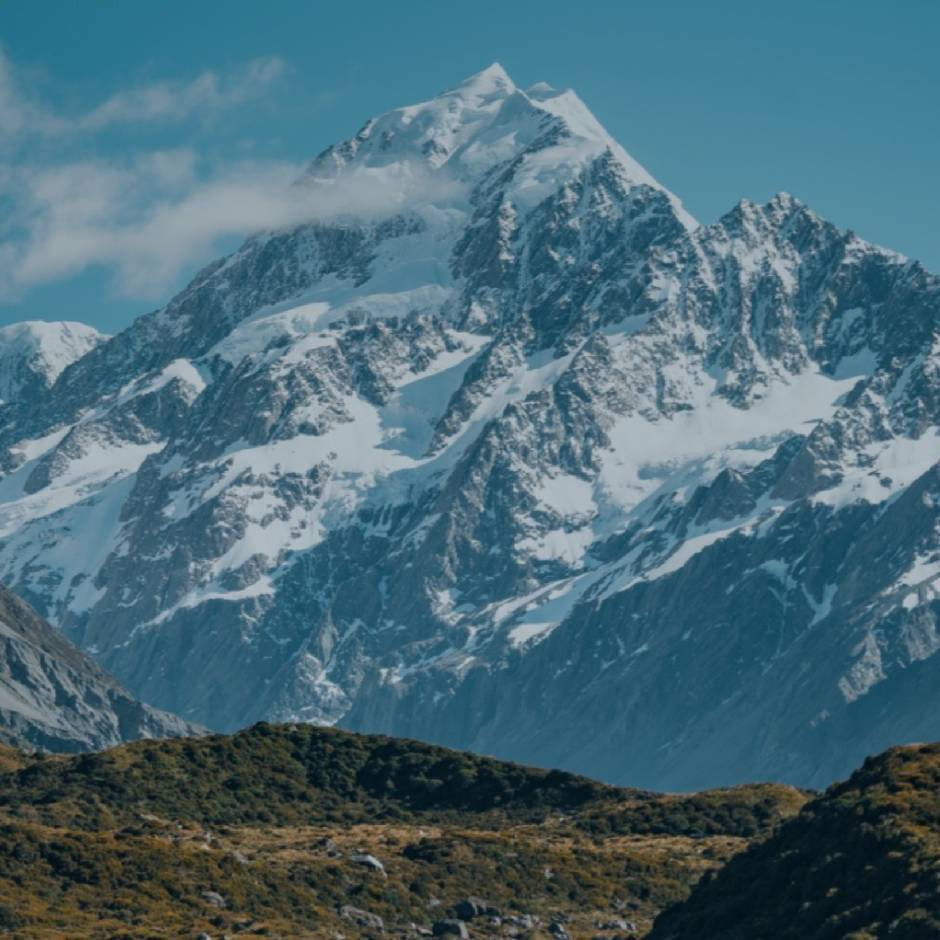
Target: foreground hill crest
(520,459)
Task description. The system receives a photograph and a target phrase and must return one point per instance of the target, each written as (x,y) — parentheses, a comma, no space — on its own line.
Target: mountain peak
(34,352)
(493,81)
(547,135)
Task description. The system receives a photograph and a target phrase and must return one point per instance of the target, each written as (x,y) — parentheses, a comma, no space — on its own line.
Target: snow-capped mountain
(52,696)
(33,355)
(506,451)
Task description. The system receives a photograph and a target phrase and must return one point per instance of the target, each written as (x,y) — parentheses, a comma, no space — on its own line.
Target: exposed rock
(445,928)
(472,907)
(362,918)
(368,861)
(53,697)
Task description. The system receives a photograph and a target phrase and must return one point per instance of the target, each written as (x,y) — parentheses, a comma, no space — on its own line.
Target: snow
(924,577)
(822,609)
(887,467)
(566,494)
(47,348)
(485,121)
(429,157)
(520,635)
(257,333)
(408,418)
(925,568)
(858,364)
(33,449)
(686,551)
(654,457)
(567,545)
(75,541)
(83,477)
(366,455)
(537,614)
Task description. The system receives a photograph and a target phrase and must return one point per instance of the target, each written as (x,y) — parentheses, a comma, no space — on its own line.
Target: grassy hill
(266,833)
(861,862)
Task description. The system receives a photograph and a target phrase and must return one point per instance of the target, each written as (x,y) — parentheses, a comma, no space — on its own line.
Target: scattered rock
(213,898)
(456,928)
(558,930)
(618,923)
(368,861)
(361,918)
(469,908)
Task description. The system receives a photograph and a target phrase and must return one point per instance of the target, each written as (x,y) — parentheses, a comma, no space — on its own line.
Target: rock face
(531,463)
(54,697)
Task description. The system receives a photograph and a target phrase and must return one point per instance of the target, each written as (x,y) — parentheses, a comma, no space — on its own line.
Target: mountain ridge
(53,697)
(511,454)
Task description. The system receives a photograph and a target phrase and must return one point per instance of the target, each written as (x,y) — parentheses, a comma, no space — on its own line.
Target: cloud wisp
(150,218)
(145,216)
(23,115)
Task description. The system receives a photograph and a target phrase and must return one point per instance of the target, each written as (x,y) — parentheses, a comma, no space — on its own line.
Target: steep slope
(54,697)
(291,831)
(517,458)
(861,861)
(33,355)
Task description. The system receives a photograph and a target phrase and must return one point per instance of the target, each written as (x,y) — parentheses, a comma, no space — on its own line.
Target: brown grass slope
(862,861)
(145,839)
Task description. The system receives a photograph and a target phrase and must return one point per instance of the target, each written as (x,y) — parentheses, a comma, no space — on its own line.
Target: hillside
(269,832)
(291,831)
(861,862)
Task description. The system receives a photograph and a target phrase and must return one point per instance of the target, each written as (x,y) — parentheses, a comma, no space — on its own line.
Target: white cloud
(177,100)
(24,115)
(147,216)
(151,217)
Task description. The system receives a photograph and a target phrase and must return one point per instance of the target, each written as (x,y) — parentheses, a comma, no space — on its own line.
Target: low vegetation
(294,831)
(861,862)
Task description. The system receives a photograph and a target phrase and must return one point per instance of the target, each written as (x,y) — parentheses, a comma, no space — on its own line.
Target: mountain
(33,355)
(297,831)
(501,449)
(861,861)
(52,696)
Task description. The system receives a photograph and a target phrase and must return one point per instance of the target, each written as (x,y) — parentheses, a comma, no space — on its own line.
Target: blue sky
(128,131)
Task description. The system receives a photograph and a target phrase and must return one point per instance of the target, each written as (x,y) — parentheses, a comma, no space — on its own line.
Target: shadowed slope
(861,861)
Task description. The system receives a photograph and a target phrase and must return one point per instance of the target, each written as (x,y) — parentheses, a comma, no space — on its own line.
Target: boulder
(361,918)
(456,928)
(368,861)
(469,908)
